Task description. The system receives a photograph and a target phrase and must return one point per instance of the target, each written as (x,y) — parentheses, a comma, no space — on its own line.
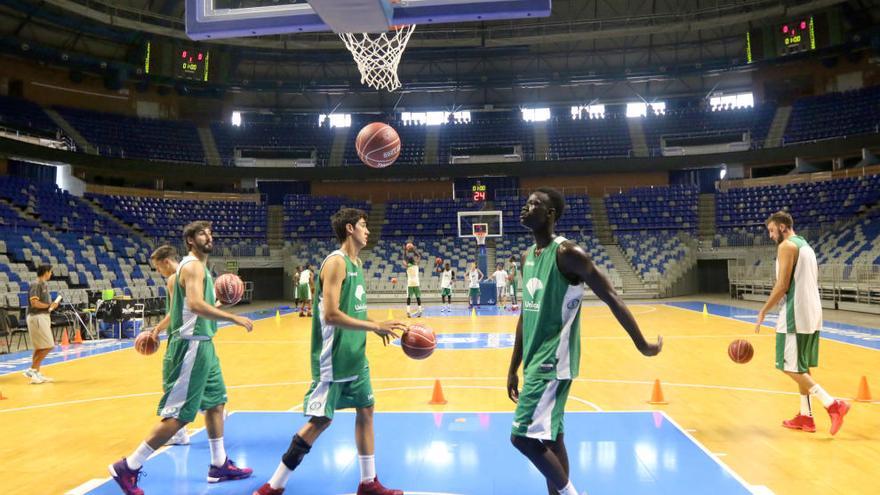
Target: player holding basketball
(548,336)
(446,278)
(340,371)
(413,285)
(191,371)
(799,322)
(305,289)
(474,277)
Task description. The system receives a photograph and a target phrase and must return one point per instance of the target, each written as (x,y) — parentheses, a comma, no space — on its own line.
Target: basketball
(438,261)
(418,342)
(393,280)
(229,288)
(145,344)
(410,246)
(377,145)
(740,351)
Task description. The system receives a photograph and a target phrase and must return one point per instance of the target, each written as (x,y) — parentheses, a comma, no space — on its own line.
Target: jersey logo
(352,274)
(360,292)
(533,286)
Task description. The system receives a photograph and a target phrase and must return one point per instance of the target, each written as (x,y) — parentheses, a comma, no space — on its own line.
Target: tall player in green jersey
(554,271)
(340,371)
(191,371)
(800,320)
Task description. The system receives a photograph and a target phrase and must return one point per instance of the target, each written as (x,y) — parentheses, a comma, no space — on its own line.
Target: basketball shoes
(801,422)
(376,488)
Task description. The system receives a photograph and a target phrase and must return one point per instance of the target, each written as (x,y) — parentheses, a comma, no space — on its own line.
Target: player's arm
(334,274)
(166,320)
(577,266)
(786,254)
(312,284)
(515,361)
(193,283)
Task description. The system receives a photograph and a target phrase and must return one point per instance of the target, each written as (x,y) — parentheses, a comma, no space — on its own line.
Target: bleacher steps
(601,228)
(375,221)
(632,283)
(542,142)
(71,131)
(275,226)
(432,143)
(706,211)
(209,147)
(776,132)
(637,137)
(340,141)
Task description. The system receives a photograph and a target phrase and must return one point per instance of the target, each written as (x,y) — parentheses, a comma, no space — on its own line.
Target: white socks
(279,479)
(568,490)
(139,456)
(806,410)
(820,392)
(218,451)
(368,467)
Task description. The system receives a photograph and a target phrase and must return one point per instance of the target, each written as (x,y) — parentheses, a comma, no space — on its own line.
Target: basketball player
(475,276)
(413,284)
(548,336)
(500,277)
(192,376)
(304,290)
(446,278)
(340,371)
(514,276)
(165,261)
(296,286)
(799,322)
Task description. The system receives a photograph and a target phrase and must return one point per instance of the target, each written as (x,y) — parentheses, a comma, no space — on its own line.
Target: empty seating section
(24,115)
(698,121)
(856,243)
(307,216)
(653,208)
(834,115)
(588,138)
(302,133)
(239,227)
(130,137)
(653,254)
(494,132)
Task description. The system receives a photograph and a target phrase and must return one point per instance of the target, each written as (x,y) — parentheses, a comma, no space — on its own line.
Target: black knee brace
(295,453)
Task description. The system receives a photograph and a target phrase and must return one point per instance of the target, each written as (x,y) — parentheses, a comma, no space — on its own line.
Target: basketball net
(481,238)
(377,55)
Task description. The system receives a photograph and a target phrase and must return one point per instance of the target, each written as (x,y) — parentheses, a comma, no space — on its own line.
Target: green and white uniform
(800,313)
(473,284)
(191,375)
(413,287)
(446,283)
(514,274)
(340,371)
(551,343)
(303,292)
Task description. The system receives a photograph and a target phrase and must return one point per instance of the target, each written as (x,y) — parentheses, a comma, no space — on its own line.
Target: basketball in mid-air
(410,246)
(418,342)
(377,145)
(229,288)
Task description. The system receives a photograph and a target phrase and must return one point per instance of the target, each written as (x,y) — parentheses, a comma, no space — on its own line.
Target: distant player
(192,378)
(474,277)
(799,322)
(340,371)
(412,257)
(305,289)
(514,280)
(548,339)
(500,275)
(447,275)
(296,286)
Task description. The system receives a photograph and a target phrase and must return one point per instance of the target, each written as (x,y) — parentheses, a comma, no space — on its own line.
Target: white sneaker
(45,379)
(179,438)
(29,373)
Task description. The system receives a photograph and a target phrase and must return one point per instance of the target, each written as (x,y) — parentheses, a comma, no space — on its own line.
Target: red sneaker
(837,411)
(268,490)
(376,488)
(801,422)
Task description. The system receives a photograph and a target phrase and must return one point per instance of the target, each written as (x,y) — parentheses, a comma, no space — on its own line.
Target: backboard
(217,19)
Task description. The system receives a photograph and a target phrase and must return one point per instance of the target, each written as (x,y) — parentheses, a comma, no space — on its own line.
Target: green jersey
(339,354)
(183,321)
(551,312)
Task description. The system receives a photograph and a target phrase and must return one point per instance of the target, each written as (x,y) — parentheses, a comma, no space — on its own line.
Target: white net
(377,55)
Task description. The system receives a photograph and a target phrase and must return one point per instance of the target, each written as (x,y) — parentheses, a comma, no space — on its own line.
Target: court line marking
(772,332)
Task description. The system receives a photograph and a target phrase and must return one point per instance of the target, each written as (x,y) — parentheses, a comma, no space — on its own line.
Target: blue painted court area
(842,332)
(450,453)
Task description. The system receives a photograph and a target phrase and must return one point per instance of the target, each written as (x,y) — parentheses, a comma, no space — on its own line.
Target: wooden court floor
(59,435)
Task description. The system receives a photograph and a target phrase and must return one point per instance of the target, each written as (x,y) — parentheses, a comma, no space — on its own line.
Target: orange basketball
(377,145)
(740,351)
(229,288)
(418,342)
(393,280)
(410,246)
(145,344)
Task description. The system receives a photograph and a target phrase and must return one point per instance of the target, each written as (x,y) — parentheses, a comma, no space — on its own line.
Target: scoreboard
(799,35)
(177,60)
(192,63)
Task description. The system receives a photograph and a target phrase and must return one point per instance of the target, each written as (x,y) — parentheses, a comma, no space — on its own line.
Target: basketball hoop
(377,55)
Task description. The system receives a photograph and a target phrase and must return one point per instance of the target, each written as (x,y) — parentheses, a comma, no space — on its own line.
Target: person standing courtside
(39,323)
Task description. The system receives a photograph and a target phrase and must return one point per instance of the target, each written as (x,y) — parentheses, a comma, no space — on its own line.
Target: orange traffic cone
(657,394)
(437,398)
(65,340)
(78,338)
(864,394)
(2,397)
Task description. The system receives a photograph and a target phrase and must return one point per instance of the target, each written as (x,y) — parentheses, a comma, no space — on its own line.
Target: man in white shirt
(500,277)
